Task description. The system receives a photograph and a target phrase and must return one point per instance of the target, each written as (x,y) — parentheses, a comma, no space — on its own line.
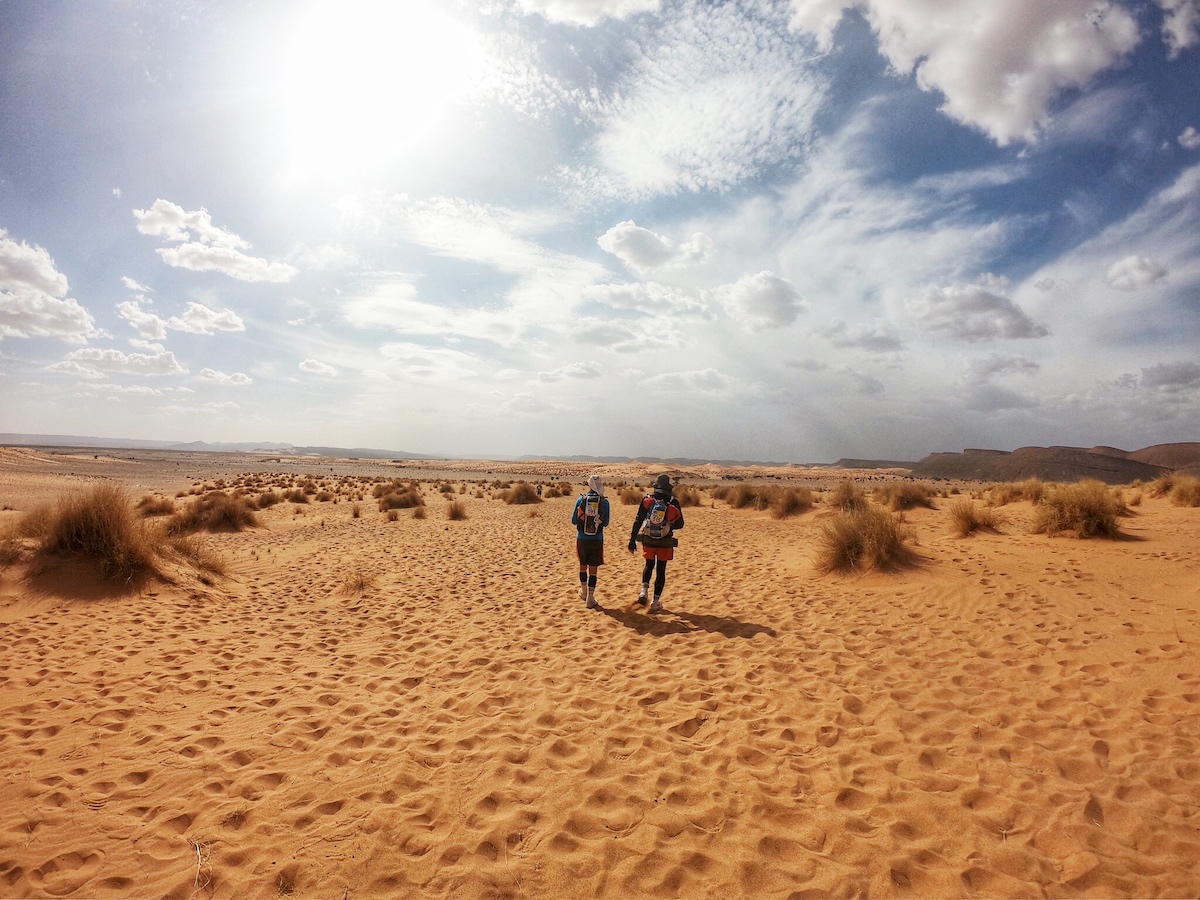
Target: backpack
(589,513)
(658,522)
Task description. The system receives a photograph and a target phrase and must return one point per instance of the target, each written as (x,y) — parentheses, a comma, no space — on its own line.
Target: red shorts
(590,553)
(663,553)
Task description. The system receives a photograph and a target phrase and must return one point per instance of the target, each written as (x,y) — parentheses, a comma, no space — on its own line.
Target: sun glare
(363,81)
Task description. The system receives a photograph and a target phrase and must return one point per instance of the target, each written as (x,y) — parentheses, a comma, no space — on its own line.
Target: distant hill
(872,464)
(653,460)
(1105,464)
(75,440)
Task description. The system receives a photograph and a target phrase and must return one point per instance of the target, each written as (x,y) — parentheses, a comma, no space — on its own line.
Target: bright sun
(362,81)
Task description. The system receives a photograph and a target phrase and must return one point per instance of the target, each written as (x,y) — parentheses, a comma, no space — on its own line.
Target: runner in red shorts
(658,517)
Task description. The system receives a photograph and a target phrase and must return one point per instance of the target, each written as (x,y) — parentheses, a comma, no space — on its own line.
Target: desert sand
(425,708)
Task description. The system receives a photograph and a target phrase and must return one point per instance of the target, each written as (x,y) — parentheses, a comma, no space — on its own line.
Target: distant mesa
(1107,464)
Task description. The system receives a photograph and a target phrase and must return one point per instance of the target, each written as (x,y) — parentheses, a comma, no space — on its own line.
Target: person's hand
(633,546)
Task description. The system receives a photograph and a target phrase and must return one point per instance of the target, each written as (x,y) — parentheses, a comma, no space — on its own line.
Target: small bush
(687,495)
(864,538)
(848,497)
(630,496)
(99,525)
(295,495)
(902,495)
(215,511)
(966,517)
(1031,489)
(1162,485)
(520,493)
(151,505)
(1087,508)
(269,498)
(456,511)
(402,498)
(418,513)
(196,550)
(1186,491)
(356,511)
(791,502)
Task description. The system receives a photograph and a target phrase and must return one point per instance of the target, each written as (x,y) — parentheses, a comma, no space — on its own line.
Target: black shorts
(591,553)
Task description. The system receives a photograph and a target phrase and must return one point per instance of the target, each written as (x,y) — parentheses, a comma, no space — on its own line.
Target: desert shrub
(848,497)
(864,538)
(196,550)
(1031,489)
(687,495)
(392,515)
(99,525)
(268,498)
(358,581)
(215,511)
(402,498)
(791,502)
(1136,499)
(456,511)
(324,496)
(560,489)
(150,505)
(1186,491)
(901,495)
(1086,508)
(295,495)
(356,511)
(1162,485)
(630,496)
(419,512)
(521,492)
(446,488)
(966,517)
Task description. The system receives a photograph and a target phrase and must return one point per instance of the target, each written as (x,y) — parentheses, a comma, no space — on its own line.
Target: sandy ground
(425,708)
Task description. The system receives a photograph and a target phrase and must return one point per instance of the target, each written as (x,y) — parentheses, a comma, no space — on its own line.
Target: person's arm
(575,513)
(678,523)
(605,511)
(637,526)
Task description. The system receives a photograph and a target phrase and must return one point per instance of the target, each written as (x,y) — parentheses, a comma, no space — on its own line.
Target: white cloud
(199,319)
(325,256)
(32,301)
(649,298)
(1171,376)
(1000,64)
(233,378)
(316,367)
(877,337)
(995,365)
(1134,272)
(203,247)
(578,370)
(644,251)
(623,337)
(973,312)
(1189,139)
(717,97)
(162,362)
(147,324)
(135,286)
(1181,24)
(706,381)
(761,301)
(393,305)
(587,12)
(415,361)
(989,398)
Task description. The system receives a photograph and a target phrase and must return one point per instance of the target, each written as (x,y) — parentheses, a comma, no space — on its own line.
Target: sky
(792,231)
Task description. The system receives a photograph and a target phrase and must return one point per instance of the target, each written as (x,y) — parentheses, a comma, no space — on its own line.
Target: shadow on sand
(670,622)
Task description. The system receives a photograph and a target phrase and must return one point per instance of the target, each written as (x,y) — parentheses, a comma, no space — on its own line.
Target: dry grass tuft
(687,495)
(99,525)
(268,498)
(356,511)
(215,511)
(1086,509)
(419,512)
(150,505)
(791,502)
(397,495)
(358,581)
(195,549)
(866,538)
(1185,491)
(966,517)
(630,496)
(1162,485)
(902,495)
(848,497)
(1031,489)
(456,511)
(520,493)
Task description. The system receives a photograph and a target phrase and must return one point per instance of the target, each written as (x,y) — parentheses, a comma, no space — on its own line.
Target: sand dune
(1016,716)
